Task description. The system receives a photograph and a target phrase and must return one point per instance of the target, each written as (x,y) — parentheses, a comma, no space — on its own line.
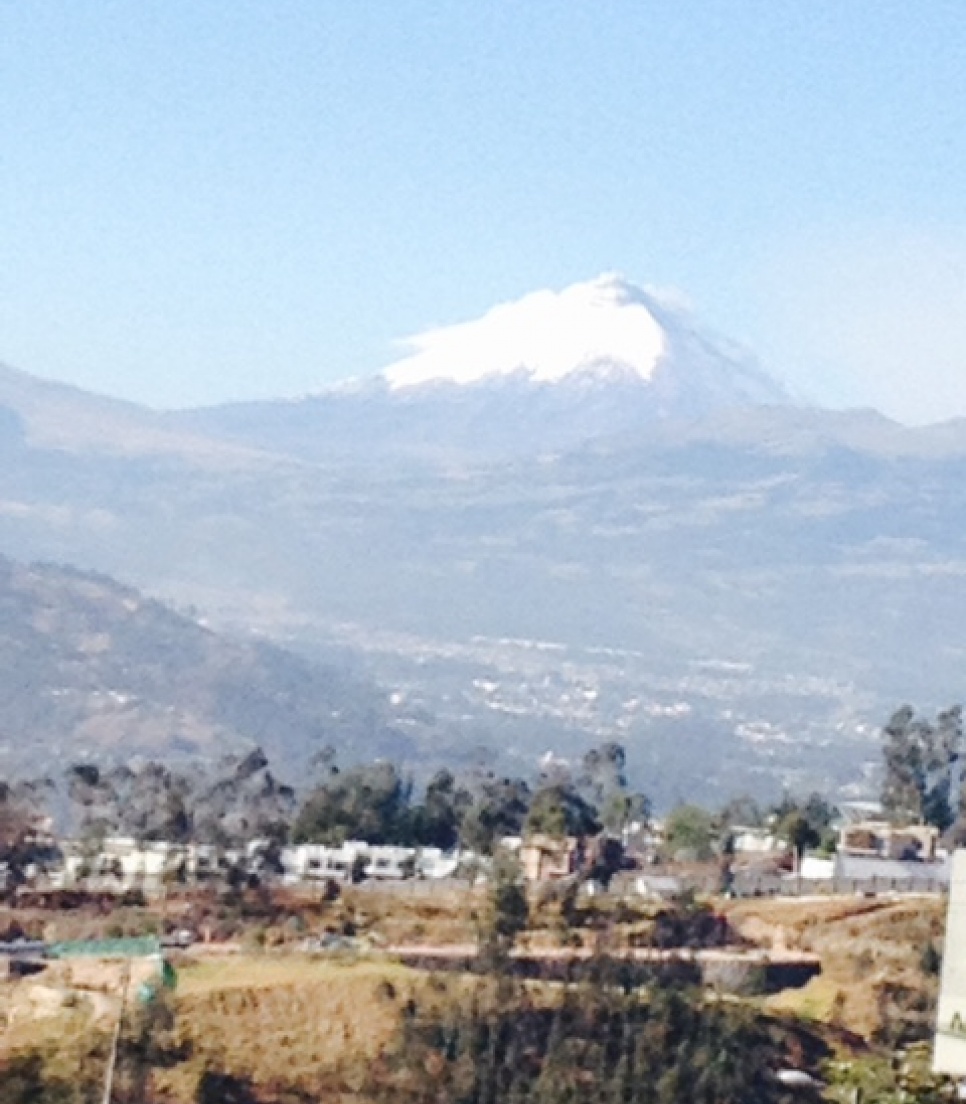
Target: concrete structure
(314,862)
(851,873)
(758,842)
(880,839)
(391,863)
(202,861)
(908,875)
(658,887)
(120,863)
(949,1052)
(814,868)
(433,862)
(545,858)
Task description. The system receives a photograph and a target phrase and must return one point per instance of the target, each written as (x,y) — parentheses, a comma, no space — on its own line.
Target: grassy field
(872,953)
(288,1021)
(291,1022)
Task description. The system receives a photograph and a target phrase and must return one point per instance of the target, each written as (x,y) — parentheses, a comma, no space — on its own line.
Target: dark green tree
(370,803)
(22,815)
(558,810)
(602,782)
(497,807)
(240,801)
(689,830)
(920,758)
(805,824)
(507,911)
(437,821)
(798,831)
(740,812)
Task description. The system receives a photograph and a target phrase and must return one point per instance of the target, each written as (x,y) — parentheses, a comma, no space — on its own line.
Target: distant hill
(90,669)
(45,414)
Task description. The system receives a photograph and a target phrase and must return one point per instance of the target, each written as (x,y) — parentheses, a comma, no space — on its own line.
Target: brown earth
(283,1017)
(872,952)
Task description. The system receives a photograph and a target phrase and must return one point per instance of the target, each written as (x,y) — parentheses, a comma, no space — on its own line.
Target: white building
(120,863)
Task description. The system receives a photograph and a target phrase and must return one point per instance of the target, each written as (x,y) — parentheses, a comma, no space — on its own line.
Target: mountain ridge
(94,669)
(47,414)
(545,373)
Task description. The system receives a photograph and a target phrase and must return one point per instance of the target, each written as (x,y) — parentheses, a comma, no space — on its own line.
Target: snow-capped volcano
(603,329)
(548,372)
(547,335)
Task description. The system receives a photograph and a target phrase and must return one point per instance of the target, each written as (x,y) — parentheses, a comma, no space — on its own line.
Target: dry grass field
(872,953)
(292,1022)
(285,1021)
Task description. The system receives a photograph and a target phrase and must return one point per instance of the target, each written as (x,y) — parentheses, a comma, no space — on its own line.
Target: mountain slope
(546,373)
(45,414)
(754,591)
(93,669)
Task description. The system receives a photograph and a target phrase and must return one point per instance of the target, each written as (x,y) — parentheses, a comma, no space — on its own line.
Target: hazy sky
(202,201)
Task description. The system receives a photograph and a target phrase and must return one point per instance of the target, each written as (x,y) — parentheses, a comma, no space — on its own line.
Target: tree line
(241,799)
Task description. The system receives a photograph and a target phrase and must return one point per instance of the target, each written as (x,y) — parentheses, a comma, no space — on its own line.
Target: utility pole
(112,1059)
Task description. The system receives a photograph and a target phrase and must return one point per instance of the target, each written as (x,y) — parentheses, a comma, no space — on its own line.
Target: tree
(689,830)
(804,824)
(920,759)
(146,800)
(602,773)
(507,912)
(242,800)
(602,783)
(22,815)
(368,803)
(558,811)
(740,812)
(799,833)
(436,822)
(497,807)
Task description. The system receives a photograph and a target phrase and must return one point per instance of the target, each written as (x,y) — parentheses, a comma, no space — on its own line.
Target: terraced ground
(878,978)
(293,1026)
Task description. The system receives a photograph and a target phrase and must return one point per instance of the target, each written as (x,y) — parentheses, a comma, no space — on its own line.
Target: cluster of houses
(121,863)
(876,850)
(870,852)
(118,864)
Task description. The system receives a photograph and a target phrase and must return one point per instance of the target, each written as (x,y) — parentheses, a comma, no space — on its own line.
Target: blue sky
(202,201)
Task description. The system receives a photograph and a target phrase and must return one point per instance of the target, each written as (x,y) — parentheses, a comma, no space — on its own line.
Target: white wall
(949,1053)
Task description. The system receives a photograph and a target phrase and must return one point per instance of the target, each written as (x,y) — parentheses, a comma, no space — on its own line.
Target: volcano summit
(548,371)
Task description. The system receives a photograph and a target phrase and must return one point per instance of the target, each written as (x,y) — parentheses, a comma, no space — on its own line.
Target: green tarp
(146,946)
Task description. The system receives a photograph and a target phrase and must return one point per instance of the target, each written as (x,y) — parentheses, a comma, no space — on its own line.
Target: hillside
(662,593)
(90,669)
(264,1019)
(45,414)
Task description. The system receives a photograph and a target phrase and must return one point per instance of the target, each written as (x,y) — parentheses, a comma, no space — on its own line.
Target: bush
(598,1044)
(930,960)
